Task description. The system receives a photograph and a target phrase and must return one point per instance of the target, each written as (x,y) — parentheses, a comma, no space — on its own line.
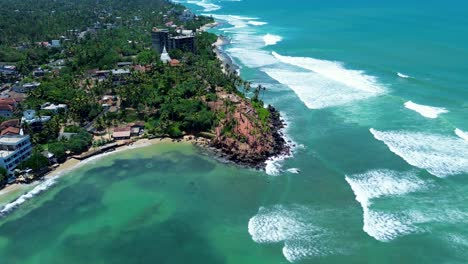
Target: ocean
(375,95)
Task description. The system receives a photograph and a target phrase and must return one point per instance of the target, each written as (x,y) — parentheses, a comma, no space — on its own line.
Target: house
(54,108)
(38,73)
(119,76)
(102,74)
(8,70)
(121,133)
(10,123)
(10,131)
(124,64)
(136,128)
(6,110)
(7,107)
(141,68)
(13,150)
(186,15)
(55,43)
(66,135)
(44,44)
(174,63)
(25,88)
(29,117)
(50,156)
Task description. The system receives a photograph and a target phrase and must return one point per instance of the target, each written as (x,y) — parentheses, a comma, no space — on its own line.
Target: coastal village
(103,111)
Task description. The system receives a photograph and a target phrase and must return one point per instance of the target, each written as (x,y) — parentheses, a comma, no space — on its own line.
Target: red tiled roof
(10,131)
(175,62)
(10,123)
(9,101)
(6,107)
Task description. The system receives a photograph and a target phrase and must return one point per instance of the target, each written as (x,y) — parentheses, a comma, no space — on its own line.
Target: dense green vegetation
(96,35)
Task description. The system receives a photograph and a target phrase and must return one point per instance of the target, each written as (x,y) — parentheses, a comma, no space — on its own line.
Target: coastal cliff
(247,133)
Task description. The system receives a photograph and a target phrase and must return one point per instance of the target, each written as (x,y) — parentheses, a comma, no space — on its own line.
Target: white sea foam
(274,165)
(324,83)
(27,196)
(426,111)
(461,134)
(314,90)
(294,170)
(404,76)
(208,6)
(291,226)
(246,44)
(270,39)
(384,226)
(257,23)
(236,21)
(438,154)
(337,72)
(251,57)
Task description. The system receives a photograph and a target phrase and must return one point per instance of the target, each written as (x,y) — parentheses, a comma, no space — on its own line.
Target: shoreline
(280,148)
(227,63)
(72,163)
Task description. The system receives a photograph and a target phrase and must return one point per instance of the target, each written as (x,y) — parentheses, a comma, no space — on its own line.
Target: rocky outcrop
(242,137)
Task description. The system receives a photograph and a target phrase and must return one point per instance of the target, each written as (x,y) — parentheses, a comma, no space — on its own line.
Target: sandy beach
(227,64)
(209,26)
(12,192)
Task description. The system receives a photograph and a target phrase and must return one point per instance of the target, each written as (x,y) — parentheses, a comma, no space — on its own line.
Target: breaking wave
(426,111)
(324,84)
(335,71)
(29,195)
(384,226)
(270,39)
(439,155)
(208,7)
(404,76)
(274,165)
(257,23)
(290,225)
(461,134)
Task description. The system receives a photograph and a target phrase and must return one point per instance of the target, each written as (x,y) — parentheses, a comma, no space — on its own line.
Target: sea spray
(440,155)
(270,39)
(41,187)
(425,110)
(291,226)
(461,134)
(384,226)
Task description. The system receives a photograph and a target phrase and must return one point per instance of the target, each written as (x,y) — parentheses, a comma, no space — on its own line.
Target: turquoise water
(376,98)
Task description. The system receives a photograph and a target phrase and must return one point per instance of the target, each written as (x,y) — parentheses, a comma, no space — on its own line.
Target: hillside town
(25,154)
(128,76)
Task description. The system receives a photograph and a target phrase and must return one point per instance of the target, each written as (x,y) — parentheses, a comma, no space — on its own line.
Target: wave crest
(425,110)
(439,155)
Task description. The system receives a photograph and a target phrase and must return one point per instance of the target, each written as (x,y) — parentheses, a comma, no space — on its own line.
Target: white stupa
(165,58)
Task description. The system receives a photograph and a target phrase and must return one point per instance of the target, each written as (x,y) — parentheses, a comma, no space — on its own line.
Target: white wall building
(13,150)
(30,117)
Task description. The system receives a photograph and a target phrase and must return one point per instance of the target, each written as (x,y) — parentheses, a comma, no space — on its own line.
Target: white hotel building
(13,150)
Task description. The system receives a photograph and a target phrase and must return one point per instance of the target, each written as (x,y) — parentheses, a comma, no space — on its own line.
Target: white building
(165,58)
(53,107)
(29,117)
(13,150)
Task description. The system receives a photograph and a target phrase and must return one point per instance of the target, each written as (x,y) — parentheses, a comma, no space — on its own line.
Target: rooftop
(10,140)
(5,153)
(121,134)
